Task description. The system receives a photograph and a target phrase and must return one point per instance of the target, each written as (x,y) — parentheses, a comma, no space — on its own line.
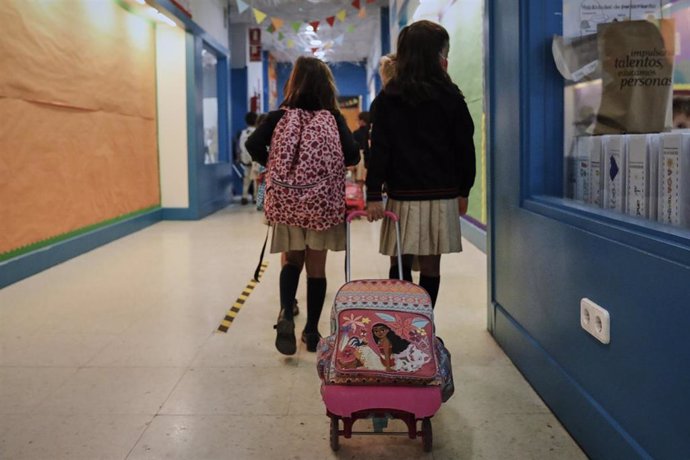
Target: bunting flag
(280,36)
(290,43)
(314,50)
(328,45)
(259,15)
(357,4)
(351,28)
(296,25)
(242,6)
(277,23)
(339,39)
(341,15)
(315,25)
(330,20)
(271,29)
(362,13)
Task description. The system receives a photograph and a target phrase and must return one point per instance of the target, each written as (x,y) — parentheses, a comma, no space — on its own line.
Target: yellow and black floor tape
(237,306)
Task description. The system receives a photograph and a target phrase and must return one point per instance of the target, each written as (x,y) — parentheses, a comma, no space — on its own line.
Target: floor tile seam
(147,425)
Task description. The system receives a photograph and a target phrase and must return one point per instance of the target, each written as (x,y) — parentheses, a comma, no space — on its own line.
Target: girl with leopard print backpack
(306,146)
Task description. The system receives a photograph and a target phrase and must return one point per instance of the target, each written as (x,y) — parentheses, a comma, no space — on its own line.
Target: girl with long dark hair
(423,152)
(309,91)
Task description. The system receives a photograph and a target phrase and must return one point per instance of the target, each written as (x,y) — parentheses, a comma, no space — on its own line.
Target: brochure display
(622,153)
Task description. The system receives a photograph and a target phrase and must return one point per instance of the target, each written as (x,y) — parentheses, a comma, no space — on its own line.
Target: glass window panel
(209,63)
(626,71)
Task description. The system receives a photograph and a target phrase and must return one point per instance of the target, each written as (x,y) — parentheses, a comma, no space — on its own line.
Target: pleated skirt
(426,228)
(289,238)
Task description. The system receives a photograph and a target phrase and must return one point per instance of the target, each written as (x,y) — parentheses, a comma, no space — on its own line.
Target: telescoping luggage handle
(351,215)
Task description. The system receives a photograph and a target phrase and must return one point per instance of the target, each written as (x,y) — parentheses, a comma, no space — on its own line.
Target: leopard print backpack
(305,181)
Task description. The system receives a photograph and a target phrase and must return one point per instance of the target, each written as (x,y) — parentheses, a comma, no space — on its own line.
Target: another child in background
(245,159)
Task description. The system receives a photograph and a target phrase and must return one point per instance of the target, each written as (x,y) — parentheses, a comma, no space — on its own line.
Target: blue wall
(625,400)
(351,79)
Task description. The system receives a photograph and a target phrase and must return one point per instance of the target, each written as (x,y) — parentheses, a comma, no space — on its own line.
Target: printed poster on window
(581,17)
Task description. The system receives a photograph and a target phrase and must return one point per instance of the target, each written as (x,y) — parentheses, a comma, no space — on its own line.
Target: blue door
(626,399)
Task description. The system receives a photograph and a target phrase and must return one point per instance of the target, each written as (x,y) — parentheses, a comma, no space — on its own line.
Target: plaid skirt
(426,228)
(289,238)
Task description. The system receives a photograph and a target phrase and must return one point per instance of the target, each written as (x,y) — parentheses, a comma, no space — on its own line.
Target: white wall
(211,15)
(172,116)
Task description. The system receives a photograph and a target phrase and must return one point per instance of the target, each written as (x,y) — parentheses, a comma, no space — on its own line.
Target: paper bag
(637,71)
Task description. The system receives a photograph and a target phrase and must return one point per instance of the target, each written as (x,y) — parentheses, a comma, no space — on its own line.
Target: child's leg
(430,275)
(407,268)
(289,278)
(316,294)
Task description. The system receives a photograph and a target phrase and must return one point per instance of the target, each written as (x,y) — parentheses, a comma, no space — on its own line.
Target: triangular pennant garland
(242,6)
(362,13)
(271,29)
(341,15)
(314,50)
(330,20)
(277,23)
(296,25)
(315,25)
(339,39)
(290,43)
(259,15)
(351,28)
(280,36)
(356,4)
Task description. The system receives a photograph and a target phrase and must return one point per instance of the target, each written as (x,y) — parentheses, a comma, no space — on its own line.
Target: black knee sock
(393,273)
(430,284)
(316,294)
(289,280)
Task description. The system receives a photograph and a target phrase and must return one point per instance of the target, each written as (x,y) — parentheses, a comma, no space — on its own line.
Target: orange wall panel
(77,98)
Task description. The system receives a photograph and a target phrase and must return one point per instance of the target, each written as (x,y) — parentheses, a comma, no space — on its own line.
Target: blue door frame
(628,399)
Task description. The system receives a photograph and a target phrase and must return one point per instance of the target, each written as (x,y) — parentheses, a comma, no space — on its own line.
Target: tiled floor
(113,355)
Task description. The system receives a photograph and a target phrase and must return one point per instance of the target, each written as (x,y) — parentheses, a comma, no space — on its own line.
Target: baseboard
(597,433)
(474,232)
(29,264)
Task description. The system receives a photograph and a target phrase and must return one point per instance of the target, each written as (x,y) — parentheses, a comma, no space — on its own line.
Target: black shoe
(311,339)
(285,336)
(244,201)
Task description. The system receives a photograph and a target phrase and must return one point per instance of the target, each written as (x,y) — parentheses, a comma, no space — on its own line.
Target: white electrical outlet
(595,320)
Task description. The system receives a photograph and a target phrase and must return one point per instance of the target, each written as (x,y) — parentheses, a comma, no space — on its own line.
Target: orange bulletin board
(78,139)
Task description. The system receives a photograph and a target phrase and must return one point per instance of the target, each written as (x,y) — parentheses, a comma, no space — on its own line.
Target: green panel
(464,22)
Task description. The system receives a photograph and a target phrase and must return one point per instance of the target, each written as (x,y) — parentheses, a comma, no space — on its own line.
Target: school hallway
(115,354)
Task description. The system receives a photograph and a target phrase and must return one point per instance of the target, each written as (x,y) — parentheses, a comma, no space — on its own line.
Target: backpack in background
(305,181)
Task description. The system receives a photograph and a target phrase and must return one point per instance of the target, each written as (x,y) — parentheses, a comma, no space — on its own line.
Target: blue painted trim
(224,137)
(21,267)
(600,434)
(648,236)
(178,214)
(194,120)
(385,31)
(264,71)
